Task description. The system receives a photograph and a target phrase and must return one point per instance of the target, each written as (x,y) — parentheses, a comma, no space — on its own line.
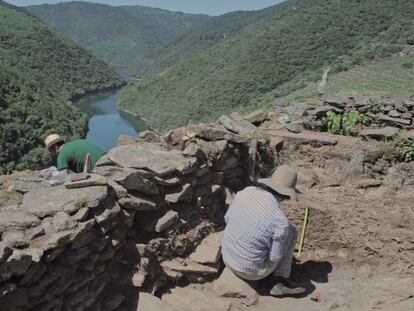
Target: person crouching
(258,239)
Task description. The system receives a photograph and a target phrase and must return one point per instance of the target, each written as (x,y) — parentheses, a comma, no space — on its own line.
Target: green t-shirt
(73,155)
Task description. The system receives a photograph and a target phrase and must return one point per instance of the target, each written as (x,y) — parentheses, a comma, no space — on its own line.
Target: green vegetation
(213,31)
(40,70)
(345,123)
(385,77)
(284,52)
(122,36)
(406,146)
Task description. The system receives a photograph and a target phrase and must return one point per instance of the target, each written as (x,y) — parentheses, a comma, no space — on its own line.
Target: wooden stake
(302,236)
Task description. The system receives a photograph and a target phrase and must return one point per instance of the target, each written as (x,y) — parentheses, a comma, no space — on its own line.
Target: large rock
(148,302)
(236,124)
(62,221)
(394,121)
(44,202)
(257,117)
(138,204)
(230,285)
(149,157)
(189,267)
(17,220)
(15,239)
(25,185)
(182,195)
(136,180)
(166,221)
(89,181)
(209,251)
(214,132)
(320,112)
(382,133)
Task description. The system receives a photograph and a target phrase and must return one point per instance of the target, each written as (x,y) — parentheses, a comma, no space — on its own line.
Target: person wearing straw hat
(259,240)
(71,156)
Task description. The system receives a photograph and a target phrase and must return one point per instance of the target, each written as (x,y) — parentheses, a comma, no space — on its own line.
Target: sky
(211,7)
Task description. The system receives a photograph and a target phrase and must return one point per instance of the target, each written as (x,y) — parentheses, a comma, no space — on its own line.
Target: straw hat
(51,140)
(283,181)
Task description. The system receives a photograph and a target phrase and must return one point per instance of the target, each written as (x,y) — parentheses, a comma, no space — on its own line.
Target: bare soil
(359,245)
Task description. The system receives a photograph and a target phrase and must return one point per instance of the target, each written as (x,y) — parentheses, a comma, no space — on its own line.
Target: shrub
(406,146)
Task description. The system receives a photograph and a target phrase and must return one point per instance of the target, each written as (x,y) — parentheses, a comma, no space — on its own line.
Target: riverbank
(105,122)
(112,87)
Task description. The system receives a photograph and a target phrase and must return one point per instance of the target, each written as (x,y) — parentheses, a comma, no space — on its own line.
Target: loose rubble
(150,217)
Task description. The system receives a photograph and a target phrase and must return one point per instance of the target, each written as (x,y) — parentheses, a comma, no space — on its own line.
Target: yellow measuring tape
(302,236)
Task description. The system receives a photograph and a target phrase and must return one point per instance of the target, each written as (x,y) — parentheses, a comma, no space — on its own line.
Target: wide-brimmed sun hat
(283,181)
(52,140)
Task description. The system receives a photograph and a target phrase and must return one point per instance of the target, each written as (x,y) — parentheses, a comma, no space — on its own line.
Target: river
(106,122)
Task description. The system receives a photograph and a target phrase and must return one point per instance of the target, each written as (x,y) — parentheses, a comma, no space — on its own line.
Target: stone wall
(380,118)
(133,224)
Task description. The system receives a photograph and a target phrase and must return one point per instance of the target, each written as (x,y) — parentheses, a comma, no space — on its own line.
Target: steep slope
(40,70)
(290,48)
(387,77)
(121,35)
(213,31)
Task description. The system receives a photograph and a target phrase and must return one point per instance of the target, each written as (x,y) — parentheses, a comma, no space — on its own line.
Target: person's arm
(229,196)
(278,243)
(62,163)
(231,207)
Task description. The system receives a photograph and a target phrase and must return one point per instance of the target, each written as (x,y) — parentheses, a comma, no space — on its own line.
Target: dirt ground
(359,246)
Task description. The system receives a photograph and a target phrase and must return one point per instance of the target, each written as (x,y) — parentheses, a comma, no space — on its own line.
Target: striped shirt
(256,231)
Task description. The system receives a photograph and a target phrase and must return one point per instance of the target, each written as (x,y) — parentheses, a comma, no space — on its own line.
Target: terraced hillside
(285,52)
(121,35)
(40,70)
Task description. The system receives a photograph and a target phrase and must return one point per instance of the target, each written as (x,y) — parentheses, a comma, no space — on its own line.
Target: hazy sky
(212,7)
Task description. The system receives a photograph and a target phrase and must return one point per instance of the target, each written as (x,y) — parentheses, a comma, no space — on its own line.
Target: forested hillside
(286,51)
(40,70)
(213,31)
(122,35)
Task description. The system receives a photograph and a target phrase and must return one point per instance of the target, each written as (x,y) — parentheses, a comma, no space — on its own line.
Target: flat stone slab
(183,195)
(214,132)
(188,268)
(26,185)
(138,204)
(320,112)
(394,121)
(45,202)
(236,124)
(386,132)
(367,183)
(209,251)
(149,157)
(305,136)
(18,220)
(166,221)
(89,181)
(136,180)
(257,116)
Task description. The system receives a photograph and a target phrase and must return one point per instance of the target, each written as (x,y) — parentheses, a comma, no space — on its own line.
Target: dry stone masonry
(134,222)
(151,214)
